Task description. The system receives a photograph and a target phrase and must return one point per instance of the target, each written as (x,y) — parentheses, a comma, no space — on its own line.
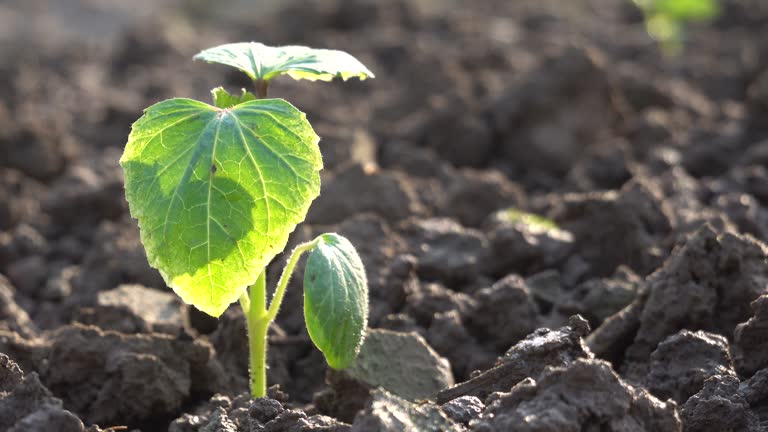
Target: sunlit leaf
(513,215)
(262,62)
(217,191)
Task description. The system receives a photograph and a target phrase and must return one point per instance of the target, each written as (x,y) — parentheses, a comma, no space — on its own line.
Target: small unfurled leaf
(222,98)
(336,300)
(218,191)
(262,62)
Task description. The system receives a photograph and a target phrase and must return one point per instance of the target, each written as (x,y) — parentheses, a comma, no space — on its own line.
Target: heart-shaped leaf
(262,62)
(217,191)
(336,299)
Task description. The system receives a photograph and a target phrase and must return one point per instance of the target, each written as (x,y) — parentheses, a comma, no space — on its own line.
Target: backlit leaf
(217,191)
(262,62)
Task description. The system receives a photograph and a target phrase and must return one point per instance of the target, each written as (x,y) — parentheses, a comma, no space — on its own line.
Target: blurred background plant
(666,20)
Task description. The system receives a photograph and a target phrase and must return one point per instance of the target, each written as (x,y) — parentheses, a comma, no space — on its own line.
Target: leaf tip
(340,364)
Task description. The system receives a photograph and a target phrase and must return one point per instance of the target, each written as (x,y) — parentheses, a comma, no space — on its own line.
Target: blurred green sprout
(665,20)
(513,216)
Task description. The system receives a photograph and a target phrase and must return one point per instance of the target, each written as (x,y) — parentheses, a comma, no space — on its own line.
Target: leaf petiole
(285,277)
(245,303)
(253,304)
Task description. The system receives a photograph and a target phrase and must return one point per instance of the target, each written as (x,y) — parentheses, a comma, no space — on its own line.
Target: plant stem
(285,277)
(258,297)
(254,307)
(245,303)
(259,318)
(261,88)
(257,345)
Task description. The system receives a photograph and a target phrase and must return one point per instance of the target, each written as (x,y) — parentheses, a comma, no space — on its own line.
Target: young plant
(665,20)
(218,189)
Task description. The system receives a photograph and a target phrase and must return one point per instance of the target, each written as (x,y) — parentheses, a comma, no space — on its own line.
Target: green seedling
(513,216)
(665,20)
(217,189)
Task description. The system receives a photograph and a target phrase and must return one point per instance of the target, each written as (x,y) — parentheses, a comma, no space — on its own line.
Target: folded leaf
(223,99)
(336,300)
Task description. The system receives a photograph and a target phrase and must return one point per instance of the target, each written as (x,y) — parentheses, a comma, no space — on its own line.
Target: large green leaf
(262,62)
(218,191)
(336,299)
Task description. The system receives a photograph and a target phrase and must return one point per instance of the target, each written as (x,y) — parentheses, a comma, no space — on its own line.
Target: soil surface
(640,304)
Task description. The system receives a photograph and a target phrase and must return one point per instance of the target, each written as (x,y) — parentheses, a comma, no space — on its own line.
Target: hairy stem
(254,307)
(257,344)
(285,277)
(259,317)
